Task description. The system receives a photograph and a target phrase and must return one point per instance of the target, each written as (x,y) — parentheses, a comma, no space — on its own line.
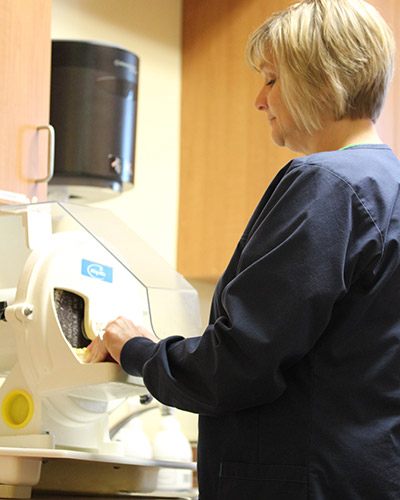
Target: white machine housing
(80,267)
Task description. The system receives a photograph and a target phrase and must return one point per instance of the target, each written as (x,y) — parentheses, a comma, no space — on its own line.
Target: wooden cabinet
(227,156)
(25,65)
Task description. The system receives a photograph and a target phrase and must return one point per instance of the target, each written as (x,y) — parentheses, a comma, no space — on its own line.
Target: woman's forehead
(268,60)
(268,67)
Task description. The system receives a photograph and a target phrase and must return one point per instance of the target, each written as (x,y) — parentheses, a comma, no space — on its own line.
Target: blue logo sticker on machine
(97,271)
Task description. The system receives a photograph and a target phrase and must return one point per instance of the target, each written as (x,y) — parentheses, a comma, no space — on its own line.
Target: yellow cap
(17,408)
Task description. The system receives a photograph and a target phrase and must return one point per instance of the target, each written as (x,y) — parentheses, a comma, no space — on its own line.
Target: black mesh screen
(70,309)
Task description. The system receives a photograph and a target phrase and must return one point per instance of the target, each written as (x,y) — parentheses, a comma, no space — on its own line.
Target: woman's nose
(261,102)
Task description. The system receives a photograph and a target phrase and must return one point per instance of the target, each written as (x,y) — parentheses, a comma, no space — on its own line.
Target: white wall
(152,30)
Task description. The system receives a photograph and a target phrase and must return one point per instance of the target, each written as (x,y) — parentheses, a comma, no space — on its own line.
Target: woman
(297,377)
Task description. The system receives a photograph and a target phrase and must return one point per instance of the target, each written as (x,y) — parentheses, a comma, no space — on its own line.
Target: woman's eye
(269,83)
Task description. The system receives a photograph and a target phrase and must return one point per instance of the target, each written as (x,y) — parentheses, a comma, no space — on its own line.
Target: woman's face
(283,128)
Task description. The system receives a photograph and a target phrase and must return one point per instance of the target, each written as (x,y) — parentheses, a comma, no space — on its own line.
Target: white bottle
(134,440)
(172,445)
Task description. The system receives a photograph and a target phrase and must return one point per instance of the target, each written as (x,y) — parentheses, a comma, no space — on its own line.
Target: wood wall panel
(227,156)
(389,122)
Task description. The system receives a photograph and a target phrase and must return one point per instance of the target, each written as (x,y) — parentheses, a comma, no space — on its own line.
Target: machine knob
(21,312)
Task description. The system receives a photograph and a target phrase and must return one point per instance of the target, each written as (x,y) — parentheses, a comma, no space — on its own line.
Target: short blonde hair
(333,57)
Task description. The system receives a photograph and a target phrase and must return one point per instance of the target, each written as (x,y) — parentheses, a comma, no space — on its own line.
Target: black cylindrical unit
(93,111)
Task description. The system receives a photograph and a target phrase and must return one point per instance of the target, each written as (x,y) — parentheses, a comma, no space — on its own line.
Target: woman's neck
(339,134)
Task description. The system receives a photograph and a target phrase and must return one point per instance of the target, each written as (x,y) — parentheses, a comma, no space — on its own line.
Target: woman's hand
(116,334)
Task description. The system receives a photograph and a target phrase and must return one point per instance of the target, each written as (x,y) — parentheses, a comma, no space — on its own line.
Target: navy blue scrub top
(297,377)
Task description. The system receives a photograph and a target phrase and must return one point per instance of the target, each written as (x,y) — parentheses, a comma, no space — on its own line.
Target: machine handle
(50,152)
